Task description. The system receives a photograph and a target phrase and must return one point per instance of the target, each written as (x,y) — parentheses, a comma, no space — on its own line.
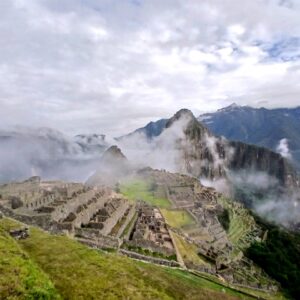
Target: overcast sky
(110,66)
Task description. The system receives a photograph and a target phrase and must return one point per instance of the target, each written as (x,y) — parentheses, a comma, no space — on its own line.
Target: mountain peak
(181,114)
(231,107)
(113,153)
(184,112)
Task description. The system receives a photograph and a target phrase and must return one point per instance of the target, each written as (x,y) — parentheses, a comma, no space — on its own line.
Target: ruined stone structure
(159,261)
(60,206)
(33,193)
(108,215)
(101,218)
(93,238)
(151,232)
(185,192)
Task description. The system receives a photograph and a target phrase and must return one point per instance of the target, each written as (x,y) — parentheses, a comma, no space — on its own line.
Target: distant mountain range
(150,131)
(259,177)
(180,144)
(276,129)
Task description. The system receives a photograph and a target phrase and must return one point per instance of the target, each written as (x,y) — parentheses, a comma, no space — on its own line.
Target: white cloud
(111,66)
(283,148)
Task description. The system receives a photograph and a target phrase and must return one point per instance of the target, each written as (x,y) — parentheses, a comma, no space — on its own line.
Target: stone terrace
(63,206)
(150,231)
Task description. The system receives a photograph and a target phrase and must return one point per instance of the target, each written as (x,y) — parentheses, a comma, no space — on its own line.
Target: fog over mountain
(48,153)
(118,132)
(276,129)
(262,179)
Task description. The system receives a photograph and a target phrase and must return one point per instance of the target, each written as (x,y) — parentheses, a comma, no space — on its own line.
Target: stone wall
(154,260)
(94,238)
(201,268)
(114,218)
(44,221)
(70,206)
(128,219)
(150,245)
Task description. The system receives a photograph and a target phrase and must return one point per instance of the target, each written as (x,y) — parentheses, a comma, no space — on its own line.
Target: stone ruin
(97,216)
(151,232)
(63,207)
(107,216)
(20,234)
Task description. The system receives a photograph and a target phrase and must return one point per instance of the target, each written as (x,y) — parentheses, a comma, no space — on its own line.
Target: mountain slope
(78,272)
(210,156)
(246,172)
(259,126)
(20,277)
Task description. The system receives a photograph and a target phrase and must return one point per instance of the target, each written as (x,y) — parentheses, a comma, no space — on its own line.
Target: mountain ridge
(259,126)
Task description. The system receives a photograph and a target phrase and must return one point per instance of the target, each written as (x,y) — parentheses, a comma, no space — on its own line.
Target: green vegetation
(118,226)
(241,224)
(129,226)
(224,219)
(20,278)
(279,256)
(142,190)
(78,272)
(189,252)
(177,218)
(148,252)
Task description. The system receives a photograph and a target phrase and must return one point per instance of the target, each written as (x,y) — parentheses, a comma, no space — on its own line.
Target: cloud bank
(283,148)
(112,66)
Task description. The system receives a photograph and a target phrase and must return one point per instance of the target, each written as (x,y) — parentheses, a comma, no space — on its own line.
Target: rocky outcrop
(113,154)
(205,155)
(261,159)
(113,166)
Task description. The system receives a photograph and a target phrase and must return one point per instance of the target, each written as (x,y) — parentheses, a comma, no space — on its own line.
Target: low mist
(52,155)
(46,153)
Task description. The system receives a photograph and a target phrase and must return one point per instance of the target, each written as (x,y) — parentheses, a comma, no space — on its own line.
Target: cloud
(283,148)
(112,66)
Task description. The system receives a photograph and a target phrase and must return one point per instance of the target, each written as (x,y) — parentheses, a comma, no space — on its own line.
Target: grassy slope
(177,218)
(20,278)
(140,190)
(82,273)
(241,224)
(189,252)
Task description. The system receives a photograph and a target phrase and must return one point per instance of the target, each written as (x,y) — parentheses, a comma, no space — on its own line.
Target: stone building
(150,231)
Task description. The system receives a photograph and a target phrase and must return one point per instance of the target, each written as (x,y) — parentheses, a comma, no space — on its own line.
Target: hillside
(78,272)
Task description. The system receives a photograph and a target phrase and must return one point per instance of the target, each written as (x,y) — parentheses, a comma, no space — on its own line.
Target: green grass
(241,223)
(189,252)
(177,218)
(78,272)
(140,190)
(20,277)
(129,226)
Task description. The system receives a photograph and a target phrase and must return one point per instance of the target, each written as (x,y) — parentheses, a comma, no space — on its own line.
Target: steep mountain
(113,165)
(276,129)
(257,176)
(150,131)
